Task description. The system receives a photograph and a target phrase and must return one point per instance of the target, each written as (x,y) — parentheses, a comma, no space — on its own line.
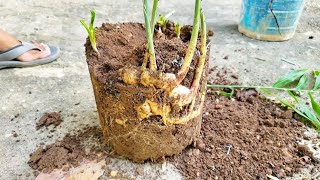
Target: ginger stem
(192,46)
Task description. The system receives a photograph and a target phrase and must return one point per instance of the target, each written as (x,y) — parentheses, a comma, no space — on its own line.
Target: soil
(52,118)
(123,45)
(245,138)
(69,152)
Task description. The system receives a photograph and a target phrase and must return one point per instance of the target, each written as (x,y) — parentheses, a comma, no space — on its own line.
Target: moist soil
(52,118)
(71,151)
(247,137)
(124,45)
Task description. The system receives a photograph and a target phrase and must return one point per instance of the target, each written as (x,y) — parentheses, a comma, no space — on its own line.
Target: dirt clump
(69,152)
(245,138)
(52,118)
(123,45)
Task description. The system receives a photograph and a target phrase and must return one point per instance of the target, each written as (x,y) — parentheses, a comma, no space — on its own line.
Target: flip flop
(7,58)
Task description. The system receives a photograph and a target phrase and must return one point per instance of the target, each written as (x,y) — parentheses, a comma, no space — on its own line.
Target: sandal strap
(16,51)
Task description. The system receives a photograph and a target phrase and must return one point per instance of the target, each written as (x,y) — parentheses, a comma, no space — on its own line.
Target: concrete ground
(27,93)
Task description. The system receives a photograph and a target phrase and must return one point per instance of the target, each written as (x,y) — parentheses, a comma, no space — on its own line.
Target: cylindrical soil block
(270,20)
(129,136)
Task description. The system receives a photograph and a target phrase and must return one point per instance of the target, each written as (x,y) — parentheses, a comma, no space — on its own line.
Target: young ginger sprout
(91,31)
(177,29)
(163,20)
(149,32)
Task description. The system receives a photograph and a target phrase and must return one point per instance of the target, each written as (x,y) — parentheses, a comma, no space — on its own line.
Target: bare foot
(35,54)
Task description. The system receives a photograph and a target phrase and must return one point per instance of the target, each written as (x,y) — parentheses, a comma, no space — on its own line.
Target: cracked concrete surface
(29,92)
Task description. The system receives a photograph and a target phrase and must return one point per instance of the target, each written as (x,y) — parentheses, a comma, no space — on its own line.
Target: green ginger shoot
(91,31)
(177,29)
(163,20)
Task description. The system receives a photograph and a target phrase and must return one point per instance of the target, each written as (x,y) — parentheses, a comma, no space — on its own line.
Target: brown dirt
(122,45)
(69,152)
(246,138)
(52,118)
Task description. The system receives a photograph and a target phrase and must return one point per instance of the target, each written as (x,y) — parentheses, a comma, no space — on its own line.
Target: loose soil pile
(53,118)
(245,138)
(69,152)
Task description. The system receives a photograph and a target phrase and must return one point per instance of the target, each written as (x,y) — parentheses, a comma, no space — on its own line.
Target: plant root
(150,108)
(179,96)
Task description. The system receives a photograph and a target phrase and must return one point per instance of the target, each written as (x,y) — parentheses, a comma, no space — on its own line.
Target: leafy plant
(177,29)
(311,114)
(91,31)
(178,94)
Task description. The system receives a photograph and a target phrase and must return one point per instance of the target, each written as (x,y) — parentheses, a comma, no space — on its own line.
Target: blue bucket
(270,20)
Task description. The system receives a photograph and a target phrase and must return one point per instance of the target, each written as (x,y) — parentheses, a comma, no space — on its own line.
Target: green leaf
(304,80)
(163,20)
(317,83)
(93,16)
(315,106)
(305,110)
(91,31)
(85,26)
(289,78)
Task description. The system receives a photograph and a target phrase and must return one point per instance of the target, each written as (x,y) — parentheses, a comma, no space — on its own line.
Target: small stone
(288,114)
(269,171)
(200,145)
(113,173)
(254,156)
(281,173)
(140,171)
(189,153)
(218,106)
(288,169)
(210,32)
(268,123)
(196,152)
